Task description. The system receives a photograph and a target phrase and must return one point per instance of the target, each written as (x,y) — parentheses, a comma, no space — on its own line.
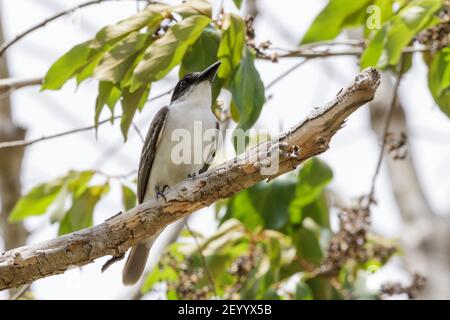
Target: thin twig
(165,93)
(138,131)
(219,11)
(116,176)
(5,45)
(25,143)
(285,74)
(205,265)
(307,52)
(349,42)
(384,133)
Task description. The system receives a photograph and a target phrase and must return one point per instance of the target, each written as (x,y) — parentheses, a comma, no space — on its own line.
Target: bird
(165,160)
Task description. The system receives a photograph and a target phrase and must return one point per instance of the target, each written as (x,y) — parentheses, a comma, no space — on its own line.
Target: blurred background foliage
(274,240)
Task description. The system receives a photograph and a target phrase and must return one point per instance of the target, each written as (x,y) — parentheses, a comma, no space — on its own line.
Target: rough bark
(113,237)
(425,235)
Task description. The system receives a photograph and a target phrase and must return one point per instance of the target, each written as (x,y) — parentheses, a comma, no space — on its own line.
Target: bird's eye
(182,83)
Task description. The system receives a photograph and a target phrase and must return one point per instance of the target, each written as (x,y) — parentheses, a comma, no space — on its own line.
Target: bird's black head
(192,80)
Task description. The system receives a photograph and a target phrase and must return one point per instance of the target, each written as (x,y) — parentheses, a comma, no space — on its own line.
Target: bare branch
(285,73)
(10,84)
(5,45)
(309,52)
(138,131)
(384,133)
(114,236)
(25,143)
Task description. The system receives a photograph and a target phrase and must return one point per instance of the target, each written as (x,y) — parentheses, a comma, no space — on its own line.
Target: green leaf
(320,288)
(439,80)
(80,215)
(264,204)
(77,181)
(194,7)
(202,53)
(130,103)
(151,16)
(312,180)
(82,59)
(303,291)
(158,275)
(248,91)
(273,205)
(66,66)
(88,69)
(271,201)
(242,208)
(386,46)
(118,60)
(333,18)
(75,184)
(318,211)
(128,198)
(308,246)
(372,55)
(58,207)
(36,201)
(114,96)
(104,92)
(238,3)
(231,45)
(165,53)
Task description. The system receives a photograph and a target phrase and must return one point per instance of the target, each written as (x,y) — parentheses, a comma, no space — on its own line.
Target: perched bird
(160,167)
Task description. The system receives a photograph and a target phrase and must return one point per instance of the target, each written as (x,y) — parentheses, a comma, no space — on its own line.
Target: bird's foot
(192,175)
(159,191)
(114,259)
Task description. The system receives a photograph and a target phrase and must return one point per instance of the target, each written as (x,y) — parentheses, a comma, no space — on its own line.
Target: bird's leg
(159,191)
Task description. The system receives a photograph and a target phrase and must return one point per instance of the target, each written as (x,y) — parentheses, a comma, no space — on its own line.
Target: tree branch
(26,143)
(385,132)
(10,84)
(113,237)
(310,52)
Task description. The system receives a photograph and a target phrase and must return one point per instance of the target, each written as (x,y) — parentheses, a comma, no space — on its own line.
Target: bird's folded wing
(148,151)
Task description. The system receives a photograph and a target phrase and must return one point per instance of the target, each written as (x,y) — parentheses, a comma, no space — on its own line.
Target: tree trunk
(425,235)
(14,235)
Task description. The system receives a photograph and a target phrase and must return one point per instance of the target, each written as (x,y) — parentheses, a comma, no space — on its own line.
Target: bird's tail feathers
(136,261)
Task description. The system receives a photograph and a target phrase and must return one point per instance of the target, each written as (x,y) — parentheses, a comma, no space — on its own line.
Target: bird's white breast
(193,119)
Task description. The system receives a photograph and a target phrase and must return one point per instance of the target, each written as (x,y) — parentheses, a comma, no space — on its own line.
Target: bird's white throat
(199,96)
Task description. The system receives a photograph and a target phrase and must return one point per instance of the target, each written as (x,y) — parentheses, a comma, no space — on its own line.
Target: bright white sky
(352,154)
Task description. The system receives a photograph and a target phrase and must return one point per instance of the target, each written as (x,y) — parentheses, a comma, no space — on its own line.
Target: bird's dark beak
(209,73)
